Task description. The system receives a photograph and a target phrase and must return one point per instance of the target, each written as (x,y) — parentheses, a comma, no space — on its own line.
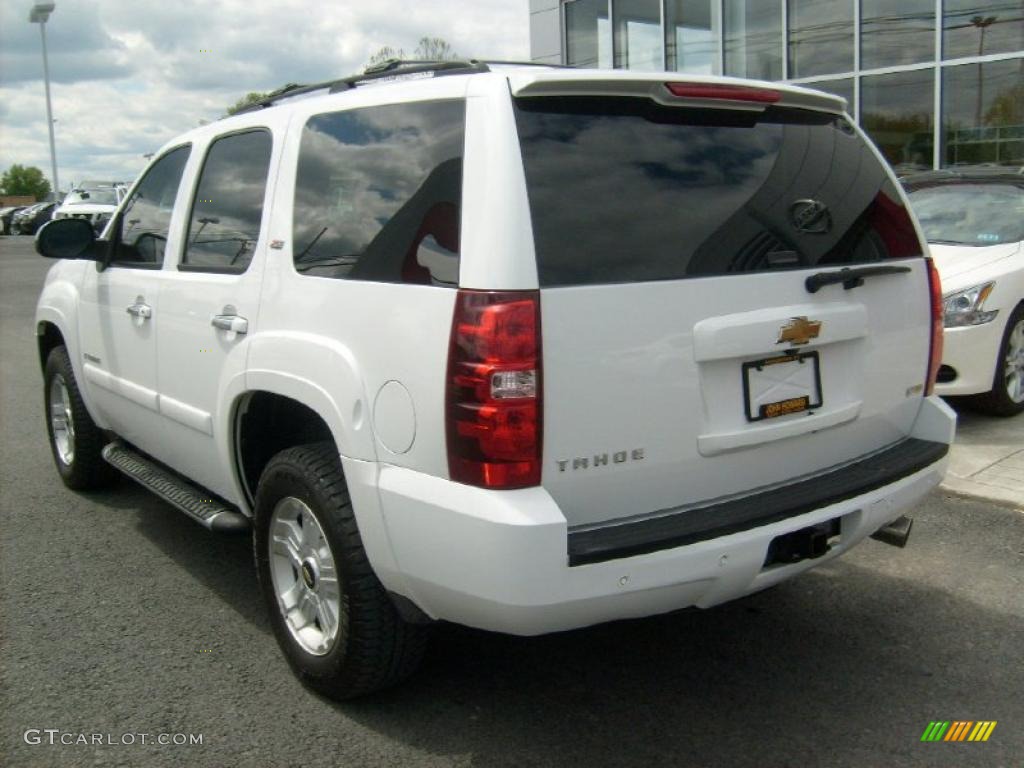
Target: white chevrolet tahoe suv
(521,348)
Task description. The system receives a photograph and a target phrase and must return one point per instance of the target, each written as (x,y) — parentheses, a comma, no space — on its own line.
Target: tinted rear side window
(625,190)
(378,194)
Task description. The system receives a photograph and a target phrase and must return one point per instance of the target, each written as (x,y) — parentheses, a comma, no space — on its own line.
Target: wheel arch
(264,423)
(48,337)
(56,315)
(278,411)
(255,415)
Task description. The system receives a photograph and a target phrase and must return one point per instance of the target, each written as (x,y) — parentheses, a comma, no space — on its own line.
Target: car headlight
(966,307)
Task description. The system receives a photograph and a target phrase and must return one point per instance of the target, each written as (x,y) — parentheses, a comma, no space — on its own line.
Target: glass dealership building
(934,82)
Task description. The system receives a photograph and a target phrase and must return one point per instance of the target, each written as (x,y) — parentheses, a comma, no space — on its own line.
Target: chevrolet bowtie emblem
(798,331)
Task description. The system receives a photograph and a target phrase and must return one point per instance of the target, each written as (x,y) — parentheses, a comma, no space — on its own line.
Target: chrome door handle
(140,309)
(230,321)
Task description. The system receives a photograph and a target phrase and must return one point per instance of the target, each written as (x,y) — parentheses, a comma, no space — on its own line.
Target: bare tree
(435,49)
(428,49)
(386,53)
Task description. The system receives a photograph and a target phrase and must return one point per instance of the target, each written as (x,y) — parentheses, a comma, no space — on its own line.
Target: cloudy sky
(127,75)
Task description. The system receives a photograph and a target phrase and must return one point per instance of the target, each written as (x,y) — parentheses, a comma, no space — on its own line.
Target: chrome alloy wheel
(1014,371)
(61,422)
(305,576)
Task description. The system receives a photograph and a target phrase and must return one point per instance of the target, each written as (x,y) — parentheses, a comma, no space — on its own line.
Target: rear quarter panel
(342,341)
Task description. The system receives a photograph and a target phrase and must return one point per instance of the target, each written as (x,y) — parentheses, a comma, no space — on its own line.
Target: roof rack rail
(385,70)
(512,63)
(392,69)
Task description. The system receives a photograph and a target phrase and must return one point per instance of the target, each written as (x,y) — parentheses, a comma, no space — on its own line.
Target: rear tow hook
(896,533)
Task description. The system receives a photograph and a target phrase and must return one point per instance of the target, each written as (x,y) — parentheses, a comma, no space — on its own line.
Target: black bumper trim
(676,529)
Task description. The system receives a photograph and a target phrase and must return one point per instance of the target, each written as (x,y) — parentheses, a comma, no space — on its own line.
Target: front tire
(333,619)
(75,441)
(1007,395)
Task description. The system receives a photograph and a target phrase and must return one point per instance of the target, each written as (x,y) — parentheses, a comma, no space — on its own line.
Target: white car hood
(86,208)
(956,261)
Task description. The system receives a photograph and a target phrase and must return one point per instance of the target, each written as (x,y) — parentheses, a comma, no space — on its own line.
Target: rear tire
(1007,395)
(75,441)
(336,625)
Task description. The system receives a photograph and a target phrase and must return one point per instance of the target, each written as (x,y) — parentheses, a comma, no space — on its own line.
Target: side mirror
(67,239)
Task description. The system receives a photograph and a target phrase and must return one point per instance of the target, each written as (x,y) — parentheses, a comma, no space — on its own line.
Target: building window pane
(588,34)
(820,37)
(753,39)
(896,32)
(983,113)
(690,40)
(842,88)
(976,27)
(637,34)
(896,111)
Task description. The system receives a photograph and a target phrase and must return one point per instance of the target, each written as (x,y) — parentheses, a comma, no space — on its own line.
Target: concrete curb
(987,459)
(979,492)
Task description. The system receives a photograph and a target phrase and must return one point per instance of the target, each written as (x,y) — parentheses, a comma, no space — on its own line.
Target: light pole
(982,23)
(38,15)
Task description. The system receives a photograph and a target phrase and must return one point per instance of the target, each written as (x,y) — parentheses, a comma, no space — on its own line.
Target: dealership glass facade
(934,82)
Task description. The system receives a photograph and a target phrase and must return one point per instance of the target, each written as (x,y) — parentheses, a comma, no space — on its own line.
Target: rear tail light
(935,351)
(728,92)
(493,392)
(892,224)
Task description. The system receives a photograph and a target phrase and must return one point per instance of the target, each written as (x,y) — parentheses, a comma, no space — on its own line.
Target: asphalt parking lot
(119,616)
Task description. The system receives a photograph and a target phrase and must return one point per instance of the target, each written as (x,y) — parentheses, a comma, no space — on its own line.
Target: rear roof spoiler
(657,87)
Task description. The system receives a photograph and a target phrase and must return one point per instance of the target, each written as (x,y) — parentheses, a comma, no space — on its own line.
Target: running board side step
(201,506)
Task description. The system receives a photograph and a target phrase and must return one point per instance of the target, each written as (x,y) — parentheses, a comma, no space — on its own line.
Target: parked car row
(6,214)
(28,220)
(95,202)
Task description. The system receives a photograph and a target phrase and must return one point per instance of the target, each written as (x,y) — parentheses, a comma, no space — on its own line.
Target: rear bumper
(678,527)
(500,560)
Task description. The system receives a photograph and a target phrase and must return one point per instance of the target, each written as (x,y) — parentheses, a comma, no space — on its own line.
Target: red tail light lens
(892,224)
(935,352)
(730,92)
(493,397)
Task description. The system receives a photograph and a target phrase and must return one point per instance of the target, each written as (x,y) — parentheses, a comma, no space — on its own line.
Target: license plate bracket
(781,385)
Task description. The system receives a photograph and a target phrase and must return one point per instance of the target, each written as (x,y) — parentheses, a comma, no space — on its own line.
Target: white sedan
(973,219)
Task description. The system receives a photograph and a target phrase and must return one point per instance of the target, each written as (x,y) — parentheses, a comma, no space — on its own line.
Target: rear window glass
(968,213)
(626,190)
(378,194)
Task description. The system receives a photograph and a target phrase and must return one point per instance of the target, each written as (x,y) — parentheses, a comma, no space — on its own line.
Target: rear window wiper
(850,278)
